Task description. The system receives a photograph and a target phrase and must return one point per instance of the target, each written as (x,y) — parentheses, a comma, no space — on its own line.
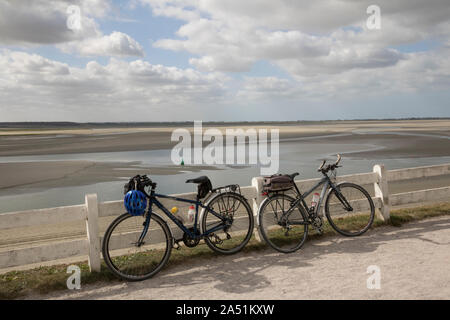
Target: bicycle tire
(334,221)
(234,229)
(274,237)
(144,269)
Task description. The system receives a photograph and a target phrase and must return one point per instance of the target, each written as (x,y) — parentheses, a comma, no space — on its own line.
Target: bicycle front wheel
(129,260)
(284,233)
(350,209)
(230,214)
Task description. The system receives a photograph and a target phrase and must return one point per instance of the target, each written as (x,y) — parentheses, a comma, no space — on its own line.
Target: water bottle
(191,213)
(315,200)
(177,214)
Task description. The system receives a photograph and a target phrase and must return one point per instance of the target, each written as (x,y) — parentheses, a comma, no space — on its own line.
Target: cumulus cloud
(36,22)
(116,44)
(39,22)
(323,51)
(301,37)
(418,72)
(135,90)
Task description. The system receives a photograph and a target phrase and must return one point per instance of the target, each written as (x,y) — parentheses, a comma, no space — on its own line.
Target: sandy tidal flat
(384,140)
(63,141)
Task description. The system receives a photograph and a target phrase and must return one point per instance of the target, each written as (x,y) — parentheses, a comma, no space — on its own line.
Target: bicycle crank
(317,223)
(189,241)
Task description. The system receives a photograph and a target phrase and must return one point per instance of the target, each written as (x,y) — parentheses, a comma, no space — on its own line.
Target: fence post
(382,190)
(257,182)
(92,232)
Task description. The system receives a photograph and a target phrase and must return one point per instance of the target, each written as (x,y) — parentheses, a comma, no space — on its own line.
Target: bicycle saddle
(293,175)
(201,179)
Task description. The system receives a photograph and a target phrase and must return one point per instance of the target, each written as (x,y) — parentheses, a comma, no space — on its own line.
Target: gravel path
(414,262)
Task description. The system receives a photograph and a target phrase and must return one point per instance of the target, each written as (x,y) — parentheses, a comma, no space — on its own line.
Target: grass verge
(43,280)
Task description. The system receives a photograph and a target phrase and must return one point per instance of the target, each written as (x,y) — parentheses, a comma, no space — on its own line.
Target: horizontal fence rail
(30,218)
(419,172)
(91,211)
(420,196)
(42,253)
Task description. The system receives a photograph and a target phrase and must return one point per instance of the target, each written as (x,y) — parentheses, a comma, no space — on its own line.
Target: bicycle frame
(327,184)
(153,200)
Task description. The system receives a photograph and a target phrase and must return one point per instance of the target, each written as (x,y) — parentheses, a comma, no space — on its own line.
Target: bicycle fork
(146,225)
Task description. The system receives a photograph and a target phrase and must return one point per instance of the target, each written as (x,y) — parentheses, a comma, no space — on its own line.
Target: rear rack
(225,207)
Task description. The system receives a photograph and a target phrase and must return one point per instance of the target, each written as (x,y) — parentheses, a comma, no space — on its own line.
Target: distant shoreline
(48,141)
(158,124)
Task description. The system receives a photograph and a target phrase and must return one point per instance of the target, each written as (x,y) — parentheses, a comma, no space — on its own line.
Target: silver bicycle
(284,220)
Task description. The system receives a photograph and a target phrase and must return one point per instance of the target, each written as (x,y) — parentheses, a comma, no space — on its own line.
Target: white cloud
(39,22)
(323,49)
(418,72)
(179,9)
(304,38)
(116,44)
(320,17)
(120,90)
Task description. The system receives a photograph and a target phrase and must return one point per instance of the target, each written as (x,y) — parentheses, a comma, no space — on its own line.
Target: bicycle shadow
(244,272)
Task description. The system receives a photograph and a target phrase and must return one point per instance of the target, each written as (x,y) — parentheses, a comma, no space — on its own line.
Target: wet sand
(393,139)
(44,142)
(49,174)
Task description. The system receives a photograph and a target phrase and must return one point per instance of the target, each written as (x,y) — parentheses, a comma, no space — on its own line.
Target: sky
(223,60)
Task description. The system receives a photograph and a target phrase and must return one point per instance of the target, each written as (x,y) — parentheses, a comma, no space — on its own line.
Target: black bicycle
(283,220)
(137,247)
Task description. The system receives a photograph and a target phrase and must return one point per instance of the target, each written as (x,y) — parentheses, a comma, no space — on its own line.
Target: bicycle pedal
(176,245)
(228,236)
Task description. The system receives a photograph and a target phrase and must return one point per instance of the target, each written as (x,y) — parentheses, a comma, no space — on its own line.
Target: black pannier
(203,189)
(203,186)
(278,182)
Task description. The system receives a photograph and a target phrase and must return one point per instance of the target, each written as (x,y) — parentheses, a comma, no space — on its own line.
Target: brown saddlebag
(278,182)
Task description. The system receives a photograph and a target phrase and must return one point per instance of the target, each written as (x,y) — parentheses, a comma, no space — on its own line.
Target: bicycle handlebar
(329,167)
(146,181)
(339,158)
(321,167)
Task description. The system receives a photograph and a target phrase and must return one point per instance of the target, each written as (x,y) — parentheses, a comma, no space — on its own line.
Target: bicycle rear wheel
(238,226)
(351,220)
(283,235)
(125,258)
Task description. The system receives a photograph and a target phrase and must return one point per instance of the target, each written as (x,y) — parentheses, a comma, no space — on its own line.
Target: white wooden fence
(92,210)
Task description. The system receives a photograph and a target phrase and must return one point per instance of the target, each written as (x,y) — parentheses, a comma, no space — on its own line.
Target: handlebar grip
(339,158)
(321,167)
